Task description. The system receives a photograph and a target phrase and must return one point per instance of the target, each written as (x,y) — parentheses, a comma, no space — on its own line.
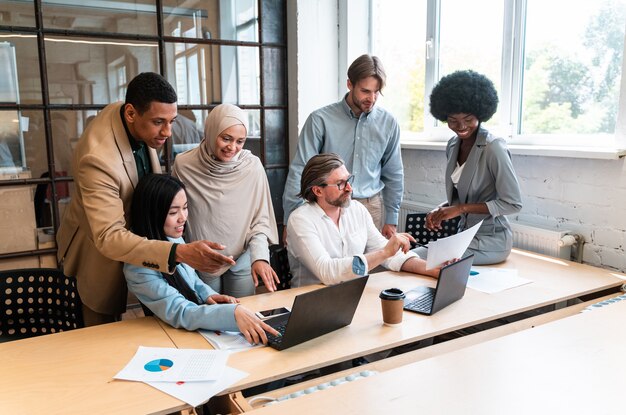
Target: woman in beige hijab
(230,202)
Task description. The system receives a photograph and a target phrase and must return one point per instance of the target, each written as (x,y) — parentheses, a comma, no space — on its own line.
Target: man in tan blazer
(116,149)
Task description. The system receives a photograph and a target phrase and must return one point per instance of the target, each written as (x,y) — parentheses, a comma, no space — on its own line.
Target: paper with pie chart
(163,364)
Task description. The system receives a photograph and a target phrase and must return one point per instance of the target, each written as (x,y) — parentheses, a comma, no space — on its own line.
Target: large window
(62,61)
(557,66)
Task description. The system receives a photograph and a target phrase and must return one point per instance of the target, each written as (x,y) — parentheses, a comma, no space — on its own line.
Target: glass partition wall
(62,61)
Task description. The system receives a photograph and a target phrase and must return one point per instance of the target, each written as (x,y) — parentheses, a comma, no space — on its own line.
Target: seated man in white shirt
(331,240)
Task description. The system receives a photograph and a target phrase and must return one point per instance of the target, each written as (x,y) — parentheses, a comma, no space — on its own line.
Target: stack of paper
(493,280)
(232,341)
(193,376)
(453,247)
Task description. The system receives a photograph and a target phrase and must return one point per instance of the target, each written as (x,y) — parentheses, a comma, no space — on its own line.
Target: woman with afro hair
(480,180)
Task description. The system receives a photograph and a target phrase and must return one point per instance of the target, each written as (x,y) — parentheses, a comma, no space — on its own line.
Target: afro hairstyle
(466,92)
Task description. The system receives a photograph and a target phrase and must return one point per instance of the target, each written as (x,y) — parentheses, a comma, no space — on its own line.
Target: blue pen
(472,272)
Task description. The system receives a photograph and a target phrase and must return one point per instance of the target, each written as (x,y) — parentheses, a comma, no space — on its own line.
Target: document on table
(493,280)
(451,247)
(197,393)
(227,340)
(165,364)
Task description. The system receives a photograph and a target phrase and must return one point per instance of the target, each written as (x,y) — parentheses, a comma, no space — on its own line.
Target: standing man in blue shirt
(366,137)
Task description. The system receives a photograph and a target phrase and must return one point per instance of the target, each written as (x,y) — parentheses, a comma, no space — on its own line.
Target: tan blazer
(93,239)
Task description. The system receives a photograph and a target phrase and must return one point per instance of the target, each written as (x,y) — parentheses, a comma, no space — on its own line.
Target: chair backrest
(38,301)
(280,263)
(146,311)
(415,225)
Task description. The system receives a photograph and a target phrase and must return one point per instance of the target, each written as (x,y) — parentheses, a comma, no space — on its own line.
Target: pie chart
(158,365)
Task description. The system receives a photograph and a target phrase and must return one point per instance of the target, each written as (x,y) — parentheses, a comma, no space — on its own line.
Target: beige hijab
(229,202)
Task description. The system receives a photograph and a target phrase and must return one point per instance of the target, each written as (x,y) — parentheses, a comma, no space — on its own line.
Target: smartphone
(271,313)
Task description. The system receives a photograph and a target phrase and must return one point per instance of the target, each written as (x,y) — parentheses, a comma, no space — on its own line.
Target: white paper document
(449,248)
(197,393)
(493,280)
(164,364)
(227,340)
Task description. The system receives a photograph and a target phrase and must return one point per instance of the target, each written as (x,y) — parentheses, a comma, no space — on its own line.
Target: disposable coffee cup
(392,302)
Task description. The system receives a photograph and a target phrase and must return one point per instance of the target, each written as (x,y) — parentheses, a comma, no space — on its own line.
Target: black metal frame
(46,107)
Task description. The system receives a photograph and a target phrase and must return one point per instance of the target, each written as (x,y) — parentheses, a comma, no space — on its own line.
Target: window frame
(272,12)
(511,88)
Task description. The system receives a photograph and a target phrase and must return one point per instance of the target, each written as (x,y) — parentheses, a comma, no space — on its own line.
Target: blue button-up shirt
(369,145)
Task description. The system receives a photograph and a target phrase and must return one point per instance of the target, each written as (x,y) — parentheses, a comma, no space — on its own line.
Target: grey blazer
(488,177)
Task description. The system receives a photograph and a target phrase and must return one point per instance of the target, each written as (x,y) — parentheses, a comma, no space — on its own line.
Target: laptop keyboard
(279,328)
(423,303)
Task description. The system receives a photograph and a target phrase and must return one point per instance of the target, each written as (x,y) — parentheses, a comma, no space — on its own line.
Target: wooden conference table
(573,365)
(72,372)
(554,281)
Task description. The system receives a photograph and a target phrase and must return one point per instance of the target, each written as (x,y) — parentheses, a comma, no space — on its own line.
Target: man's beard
(342,201)
(360,104)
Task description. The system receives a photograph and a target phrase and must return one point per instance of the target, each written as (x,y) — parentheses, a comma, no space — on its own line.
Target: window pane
(471,38)
(277,178)
(109,16)
(274,76)
(43,202)
(399,43)
(254,145)
(230,20)
(572,69)
(12,158)
(275,148)
(17,13)
(17,216)
(205,74)
(254,123)
(273,21)
(247,67)
(35,143)
(93,71)
(67,127)
(24,85)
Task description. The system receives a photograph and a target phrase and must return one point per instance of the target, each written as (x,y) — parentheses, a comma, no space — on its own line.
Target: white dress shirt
(319,251)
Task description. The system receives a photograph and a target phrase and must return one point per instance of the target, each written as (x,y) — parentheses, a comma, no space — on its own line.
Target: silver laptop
(450,288)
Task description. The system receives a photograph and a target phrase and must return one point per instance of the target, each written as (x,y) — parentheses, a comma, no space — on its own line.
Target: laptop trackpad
(416,293)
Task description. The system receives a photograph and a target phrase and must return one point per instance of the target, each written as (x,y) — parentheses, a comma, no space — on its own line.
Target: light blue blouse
(171,306)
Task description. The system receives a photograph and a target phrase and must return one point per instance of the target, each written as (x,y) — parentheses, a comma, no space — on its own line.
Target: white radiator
(531,238)
(544,241)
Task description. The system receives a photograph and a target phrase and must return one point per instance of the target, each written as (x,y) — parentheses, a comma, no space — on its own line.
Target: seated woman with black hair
(480,180)
(181,299)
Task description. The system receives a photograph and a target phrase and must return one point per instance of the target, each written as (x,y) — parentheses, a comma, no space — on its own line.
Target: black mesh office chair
(38,301)
(416,226)
(280,263)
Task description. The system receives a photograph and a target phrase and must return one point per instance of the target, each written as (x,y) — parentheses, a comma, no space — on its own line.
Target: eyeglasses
(341,185)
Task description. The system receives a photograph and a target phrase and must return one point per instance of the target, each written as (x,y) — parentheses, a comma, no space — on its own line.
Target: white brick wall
(582,195)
